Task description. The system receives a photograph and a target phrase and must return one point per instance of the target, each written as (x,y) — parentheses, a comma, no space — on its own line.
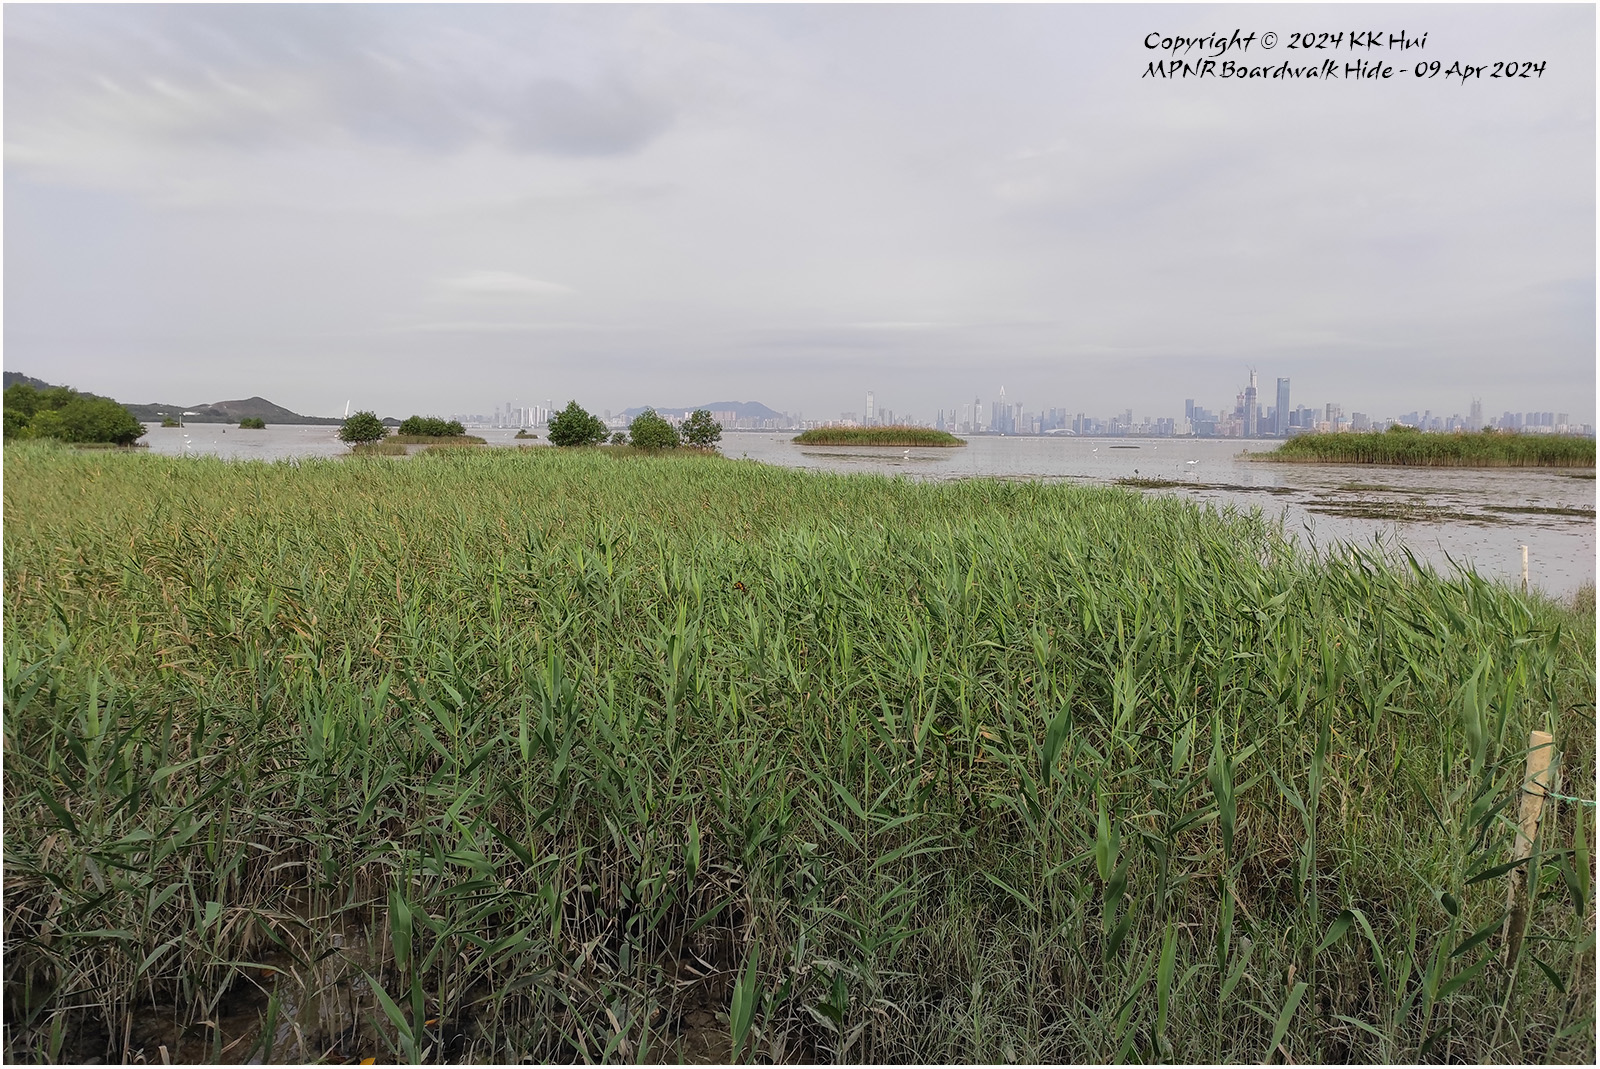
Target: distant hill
(14,377)
(741,409)
(231,412)
(216,412)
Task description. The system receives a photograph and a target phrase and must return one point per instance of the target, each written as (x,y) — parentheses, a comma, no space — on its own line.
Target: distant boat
(1124,447)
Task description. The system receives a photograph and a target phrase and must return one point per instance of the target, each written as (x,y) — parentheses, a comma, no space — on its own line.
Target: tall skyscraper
(1280,420)
(1475,420)
(872,410)
(998,413)
(1250,406)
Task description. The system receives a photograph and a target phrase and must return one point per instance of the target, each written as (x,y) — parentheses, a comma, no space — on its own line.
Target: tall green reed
(986,770)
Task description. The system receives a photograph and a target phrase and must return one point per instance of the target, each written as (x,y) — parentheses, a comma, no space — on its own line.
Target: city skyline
(1006,415)
(379,202)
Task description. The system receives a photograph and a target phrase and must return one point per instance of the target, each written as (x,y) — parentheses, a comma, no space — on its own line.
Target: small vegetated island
(649,432)
(431,430)
(888,436)
(367,434)
(1407,447)
(249,423)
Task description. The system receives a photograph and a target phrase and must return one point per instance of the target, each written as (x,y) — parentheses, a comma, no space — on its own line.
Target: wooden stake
(1534,785)
(1524,569)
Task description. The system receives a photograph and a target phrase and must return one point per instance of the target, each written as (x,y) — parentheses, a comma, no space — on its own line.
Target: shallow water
(1476,517)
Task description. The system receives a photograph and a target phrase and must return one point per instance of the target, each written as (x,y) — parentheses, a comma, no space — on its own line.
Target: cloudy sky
(437,209)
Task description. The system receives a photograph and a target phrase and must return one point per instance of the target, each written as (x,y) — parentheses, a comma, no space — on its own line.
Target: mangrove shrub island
(510,756)
(252,423)
(895,435)
(1401,445)
(362,428)
(367,434)
(433,431)
(649,431)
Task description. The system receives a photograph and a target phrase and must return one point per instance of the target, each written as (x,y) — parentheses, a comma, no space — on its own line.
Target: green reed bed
(1488,449)
(898,436)
(540,756)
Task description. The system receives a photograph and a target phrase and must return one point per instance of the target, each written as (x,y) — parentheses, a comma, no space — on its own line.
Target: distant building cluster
(1250,416)
(728,419)
(510,414)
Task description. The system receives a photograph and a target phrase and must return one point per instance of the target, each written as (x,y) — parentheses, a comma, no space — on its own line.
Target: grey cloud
(501,284)
(249,75)
(775,199)
(604,120)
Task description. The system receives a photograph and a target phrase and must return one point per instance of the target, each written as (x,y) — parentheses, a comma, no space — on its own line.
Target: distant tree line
(66,415)
(572,426)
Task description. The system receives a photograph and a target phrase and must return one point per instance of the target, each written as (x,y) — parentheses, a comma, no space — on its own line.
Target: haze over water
(1471,516)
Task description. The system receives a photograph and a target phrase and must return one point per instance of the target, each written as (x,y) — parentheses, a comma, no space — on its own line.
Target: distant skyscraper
(1475,420)
(1250,406)
(1280,419)
(872,409)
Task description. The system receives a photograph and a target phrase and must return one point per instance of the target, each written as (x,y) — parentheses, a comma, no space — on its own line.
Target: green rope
(1567,798)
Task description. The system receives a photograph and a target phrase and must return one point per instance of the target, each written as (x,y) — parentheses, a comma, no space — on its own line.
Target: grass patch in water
(1409,448)
(1540,510)
(885,436)
(1373,488)
(436,439)
(1150,483)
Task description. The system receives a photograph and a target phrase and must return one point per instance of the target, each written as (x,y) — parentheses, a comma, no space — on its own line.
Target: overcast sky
(438,209)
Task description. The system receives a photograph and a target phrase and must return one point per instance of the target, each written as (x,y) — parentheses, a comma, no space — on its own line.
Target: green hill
(231,412)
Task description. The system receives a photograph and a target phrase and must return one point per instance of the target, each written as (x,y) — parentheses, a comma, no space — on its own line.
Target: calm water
(1476,517)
